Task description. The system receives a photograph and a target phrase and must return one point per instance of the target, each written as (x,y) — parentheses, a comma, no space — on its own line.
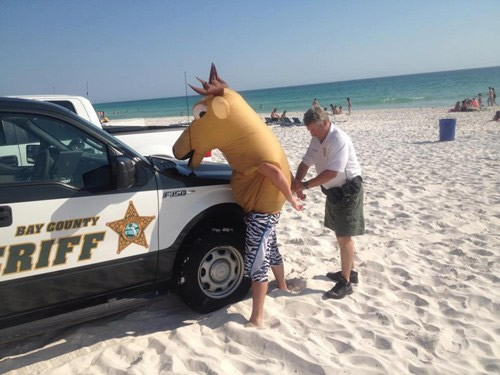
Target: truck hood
(208,173)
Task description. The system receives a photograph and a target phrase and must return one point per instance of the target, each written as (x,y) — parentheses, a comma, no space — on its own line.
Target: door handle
(5,216)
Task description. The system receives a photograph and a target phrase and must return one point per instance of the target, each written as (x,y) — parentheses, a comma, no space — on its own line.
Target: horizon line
(307,84)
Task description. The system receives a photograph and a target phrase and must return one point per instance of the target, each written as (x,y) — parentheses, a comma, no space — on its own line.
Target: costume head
(225,121)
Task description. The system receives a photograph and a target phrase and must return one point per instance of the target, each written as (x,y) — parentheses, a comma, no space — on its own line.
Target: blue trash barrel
(447,129)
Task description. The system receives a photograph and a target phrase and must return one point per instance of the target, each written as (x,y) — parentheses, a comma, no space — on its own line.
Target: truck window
(43,149)
(3,141)
(64,103)
(9,152)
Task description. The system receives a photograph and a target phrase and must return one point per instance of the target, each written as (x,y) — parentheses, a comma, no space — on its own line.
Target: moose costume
(261,175)
(231,125)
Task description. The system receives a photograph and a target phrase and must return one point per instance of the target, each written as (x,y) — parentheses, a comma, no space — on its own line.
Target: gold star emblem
(131,228)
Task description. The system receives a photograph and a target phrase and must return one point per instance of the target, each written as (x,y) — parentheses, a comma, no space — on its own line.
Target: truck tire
(211,273)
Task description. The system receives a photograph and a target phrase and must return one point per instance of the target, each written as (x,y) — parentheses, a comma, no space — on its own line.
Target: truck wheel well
(227,216)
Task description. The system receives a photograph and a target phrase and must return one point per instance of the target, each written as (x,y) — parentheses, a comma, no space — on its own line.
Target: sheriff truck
(90,227)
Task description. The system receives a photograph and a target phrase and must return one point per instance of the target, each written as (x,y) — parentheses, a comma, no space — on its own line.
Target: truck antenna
(187,112)
(186,87)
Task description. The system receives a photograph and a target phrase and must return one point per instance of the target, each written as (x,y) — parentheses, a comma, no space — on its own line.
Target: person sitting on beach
(284,117)
(497,116)
(469,105)
(274,114)
(340,110)
(102,117)
(457,107)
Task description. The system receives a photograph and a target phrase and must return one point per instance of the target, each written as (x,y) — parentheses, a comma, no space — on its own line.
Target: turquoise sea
(439,89)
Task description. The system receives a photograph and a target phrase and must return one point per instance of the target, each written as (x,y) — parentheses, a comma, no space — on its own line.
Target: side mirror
(32,153)
(126,171)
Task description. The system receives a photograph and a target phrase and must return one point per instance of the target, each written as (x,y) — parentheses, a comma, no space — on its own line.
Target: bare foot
(282,285)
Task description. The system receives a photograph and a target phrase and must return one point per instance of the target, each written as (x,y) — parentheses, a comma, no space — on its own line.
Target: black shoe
(340,290)
(335,276)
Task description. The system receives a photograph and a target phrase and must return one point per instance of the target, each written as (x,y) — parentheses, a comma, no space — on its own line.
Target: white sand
(428,298)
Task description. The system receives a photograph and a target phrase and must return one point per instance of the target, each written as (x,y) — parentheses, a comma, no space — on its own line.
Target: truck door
(67,233)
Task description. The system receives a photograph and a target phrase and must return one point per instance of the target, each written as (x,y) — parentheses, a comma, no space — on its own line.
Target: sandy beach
(427,301)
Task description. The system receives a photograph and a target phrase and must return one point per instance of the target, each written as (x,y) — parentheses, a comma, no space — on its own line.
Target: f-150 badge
(131,228)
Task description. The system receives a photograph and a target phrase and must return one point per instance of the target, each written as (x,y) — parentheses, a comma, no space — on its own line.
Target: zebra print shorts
(261,245)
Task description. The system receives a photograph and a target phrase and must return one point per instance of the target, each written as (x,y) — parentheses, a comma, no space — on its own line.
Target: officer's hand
(301,195)
(297,185)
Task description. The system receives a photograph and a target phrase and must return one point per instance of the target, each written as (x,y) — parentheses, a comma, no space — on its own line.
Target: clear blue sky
(140,49)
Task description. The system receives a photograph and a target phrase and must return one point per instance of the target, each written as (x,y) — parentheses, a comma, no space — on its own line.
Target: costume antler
(215,85)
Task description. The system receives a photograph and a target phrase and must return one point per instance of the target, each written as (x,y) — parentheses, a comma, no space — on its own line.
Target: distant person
(480,100)
(349,106)
(475,103)
(283,116)
(456,108)
(490,97)
(494,97)
(102,117)
(333,110)
(274,114)
(340,110)
(497,116)
(315,102)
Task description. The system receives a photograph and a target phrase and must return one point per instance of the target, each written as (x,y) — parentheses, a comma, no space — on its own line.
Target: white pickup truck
(147,140)
(89,226)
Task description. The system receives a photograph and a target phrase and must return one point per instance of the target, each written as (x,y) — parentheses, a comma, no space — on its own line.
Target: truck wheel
(211,272)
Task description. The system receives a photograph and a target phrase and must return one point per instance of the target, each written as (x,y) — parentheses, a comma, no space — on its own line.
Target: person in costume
(261,179)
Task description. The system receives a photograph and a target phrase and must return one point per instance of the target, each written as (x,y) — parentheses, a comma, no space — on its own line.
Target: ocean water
(439,89)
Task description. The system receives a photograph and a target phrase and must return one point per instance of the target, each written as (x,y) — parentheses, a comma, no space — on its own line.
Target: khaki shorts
(346,218)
